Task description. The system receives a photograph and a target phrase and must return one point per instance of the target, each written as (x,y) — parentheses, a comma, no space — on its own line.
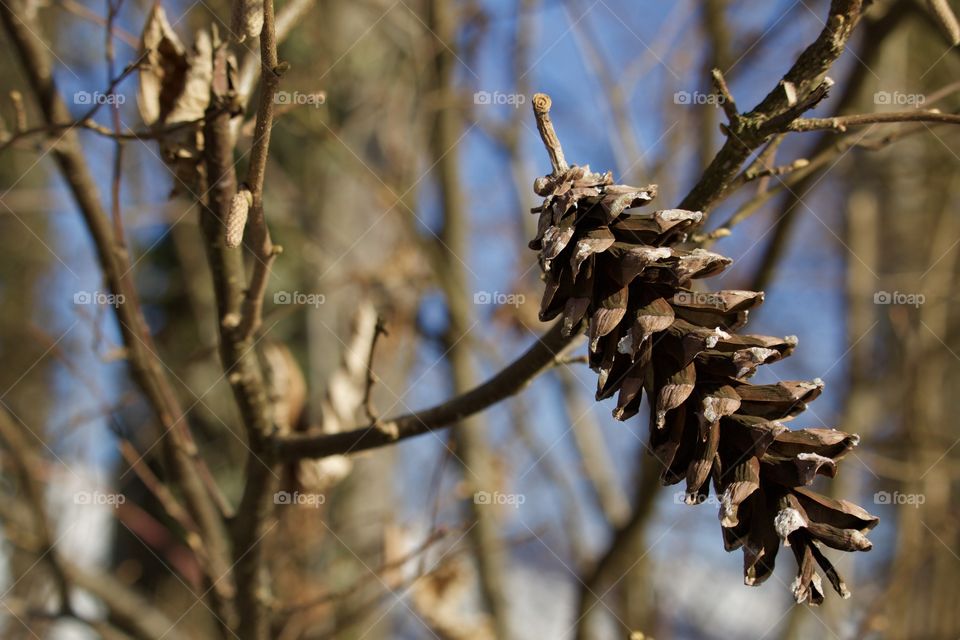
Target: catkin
(237,218)
(247,19)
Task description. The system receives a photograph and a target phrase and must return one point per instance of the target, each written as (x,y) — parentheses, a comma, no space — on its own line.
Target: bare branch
(372,415)
(841,123)
(238,358)
(148,371)
(544,354)
(728,103)
(260,241)
(775,112)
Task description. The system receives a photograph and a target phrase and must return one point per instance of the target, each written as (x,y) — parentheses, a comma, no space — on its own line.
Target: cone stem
(541,111)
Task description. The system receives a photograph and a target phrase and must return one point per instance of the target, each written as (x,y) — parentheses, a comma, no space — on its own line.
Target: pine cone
(624,277)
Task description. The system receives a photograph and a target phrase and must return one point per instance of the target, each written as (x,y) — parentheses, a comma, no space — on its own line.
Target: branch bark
(776,111)
(260,241)
(543,355)
(876,31)
(239,360)
(841,123)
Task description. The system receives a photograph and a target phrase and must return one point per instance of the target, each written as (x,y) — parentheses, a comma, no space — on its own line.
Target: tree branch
(183,460)
(796,92)
(260,241)
(841,123)
(238,357)
(543,355)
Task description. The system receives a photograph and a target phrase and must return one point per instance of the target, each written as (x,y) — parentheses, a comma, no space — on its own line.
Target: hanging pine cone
(624,278)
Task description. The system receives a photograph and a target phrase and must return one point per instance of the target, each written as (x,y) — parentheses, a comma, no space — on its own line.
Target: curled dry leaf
(342,400)
(174,82)
(286,386)
(175,88)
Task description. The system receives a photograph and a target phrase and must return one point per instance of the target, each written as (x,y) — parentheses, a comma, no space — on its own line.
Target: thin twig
(372,414)
(727,102)
(161,492)
(107,132)
(332,596)
(27,464)
(841,123)
(86,117)
(113,8)
(77,9)
(757,173)
(260,241)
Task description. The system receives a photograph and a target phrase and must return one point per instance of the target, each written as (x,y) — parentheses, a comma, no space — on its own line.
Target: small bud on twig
(16,98)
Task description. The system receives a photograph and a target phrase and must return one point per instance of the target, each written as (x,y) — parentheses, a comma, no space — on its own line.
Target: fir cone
(624,277)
